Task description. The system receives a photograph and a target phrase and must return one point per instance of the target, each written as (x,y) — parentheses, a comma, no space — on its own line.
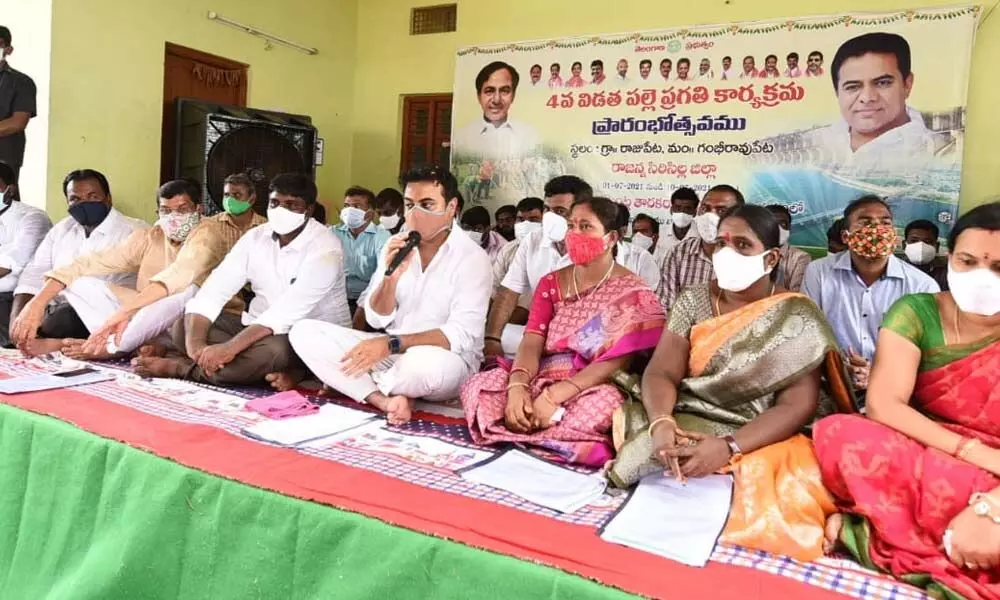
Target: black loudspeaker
(216,140)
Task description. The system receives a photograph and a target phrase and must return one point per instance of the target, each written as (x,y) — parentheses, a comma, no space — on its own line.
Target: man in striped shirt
(690,262)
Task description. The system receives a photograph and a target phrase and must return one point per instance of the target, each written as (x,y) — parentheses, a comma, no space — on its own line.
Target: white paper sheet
(38,383)
(673,520)
(329,420)
(540,482)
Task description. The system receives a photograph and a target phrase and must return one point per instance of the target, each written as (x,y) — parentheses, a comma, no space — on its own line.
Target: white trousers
(94,302)
(510,339)
(426,372)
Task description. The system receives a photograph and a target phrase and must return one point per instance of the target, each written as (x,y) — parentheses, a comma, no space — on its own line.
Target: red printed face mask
(873,241)
(583,248)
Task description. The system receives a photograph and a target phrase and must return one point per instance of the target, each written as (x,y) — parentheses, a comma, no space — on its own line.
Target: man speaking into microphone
(432,307)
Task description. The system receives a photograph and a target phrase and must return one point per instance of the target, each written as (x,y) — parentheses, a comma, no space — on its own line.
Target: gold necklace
(576,288)
(718,299)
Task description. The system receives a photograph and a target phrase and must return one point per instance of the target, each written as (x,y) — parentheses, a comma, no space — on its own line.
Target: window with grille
(433,19)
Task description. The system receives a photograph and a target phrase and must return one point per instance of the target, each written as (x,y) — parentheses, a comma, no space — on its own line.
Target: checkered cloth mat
(222,408)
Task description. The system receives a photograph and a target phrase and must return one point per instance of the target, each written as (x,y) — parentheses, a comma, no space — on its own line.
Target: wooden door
(426,131)
(189,73)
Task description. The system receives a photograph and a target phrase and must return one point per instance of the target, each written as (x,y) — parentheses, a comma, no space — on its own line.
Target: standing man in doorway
(17,107)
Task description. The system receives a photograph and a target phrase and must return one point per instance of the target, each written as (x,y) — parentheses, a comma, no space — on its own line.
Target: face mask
(919,253)
(583,249)
(681,220)
(352,217)
(89,214)
(783,235)
(707,225)
(429,223)
(389,222)
(873,241)
(525,228)
(234,206)
(643,242)
(976,291)
(554,227)
(177,226)
(284,221)
(736,272)
(475,236)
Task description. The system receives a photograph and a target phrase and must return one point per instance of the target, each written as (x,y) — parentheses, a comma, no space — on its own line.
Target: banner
(809,113)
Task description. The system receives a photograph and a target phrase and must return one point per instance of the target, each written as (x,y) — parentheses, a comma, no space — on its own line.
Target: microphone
(412,240)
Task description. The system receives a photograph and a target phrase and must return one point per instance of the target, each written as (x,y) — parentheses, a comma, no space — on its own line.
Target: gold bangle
(579,390)
(964,448)
(517,384)
(658,420)
(519,370)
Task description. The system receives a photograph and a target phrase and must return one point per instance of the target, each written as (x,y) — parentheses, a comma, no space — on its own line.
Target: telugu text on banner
(809,113)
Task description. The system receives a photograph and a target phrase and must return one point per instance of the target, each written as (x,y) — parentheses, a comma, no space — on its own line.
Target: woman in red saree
(586,322)
(918,482)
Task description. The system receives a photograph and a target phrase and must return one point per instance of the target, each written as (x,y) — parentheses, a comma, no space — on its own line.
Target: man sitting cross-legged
(295,268)
(169,261)
(433,309)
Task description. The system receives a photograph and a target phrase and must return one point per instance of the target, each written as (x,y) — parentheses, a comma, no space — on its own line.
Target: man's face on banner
(622,67)
(536,74)
(704,66)
(665,68)
(748,64)
(726,63)
(872,93)
(496,96)
(596,71)
(814,63)
(771,63)
(644,68)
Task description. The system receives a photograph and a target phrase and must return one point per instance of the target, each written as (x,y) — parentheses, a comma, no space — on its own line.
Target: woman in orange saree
(918,481)
(736,378)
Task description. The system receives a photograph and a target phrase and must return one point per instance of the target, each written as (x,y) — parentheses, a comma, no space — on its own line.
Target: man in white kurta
(432,309)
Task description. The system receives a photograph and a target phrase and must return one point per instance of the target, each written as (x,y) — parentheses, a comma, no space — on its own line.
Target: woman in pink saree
(918,482)
(586,322)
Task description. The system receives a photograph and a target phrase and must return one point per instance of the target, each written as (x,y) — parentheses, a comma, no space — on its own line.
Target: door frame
(431,126)
(212,60)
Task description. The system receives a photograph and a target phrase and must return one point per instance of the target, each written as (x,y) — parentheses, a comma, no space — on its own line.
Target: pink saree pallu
(899,495)
(618,319)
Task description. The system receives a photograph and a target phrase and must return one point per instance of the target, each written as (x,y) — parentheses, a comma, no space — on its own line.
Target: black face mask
(89,214)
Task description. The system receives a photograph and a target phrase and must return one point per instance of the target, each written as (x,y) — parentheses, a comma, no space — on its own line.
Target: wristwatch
(395,344)
(982,507)
(735,452)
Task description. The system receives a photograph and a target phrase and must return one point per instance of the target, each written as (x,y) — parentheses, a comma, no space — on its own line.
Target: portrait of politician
(872,78)
(494,134)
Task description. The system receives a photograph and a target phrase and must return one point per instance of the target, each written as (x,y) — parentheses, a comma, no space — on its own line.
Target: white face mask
(353,217)
(389,222)
(976,291)
(475,236)
(707,225)
(919,253)
(783,235)
(525,228)
(284,221)
(736,272)
(681,220)
(554,226)
(643,242)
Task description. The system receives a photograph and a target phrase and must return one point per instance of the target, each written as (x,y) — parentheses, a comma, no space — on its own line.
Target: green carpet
(82,517)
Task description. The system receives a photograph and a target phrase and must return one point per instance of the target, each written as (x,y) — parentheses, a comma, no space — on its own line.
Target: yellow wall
(390,62)
(107,82)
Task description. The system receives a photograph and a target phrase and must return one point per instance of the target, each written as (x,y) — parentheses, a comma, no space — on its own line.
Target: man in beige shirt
(170,261)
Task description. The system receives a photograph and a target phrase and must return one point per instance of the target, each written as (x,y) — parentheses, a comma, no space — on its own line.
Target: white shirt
(68,240)
(303,280)
(481,138)
(536,257)
(707,75)
(22,229)
(668,239)
(729,73)
(907,145)
(640,262)
(451,294)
